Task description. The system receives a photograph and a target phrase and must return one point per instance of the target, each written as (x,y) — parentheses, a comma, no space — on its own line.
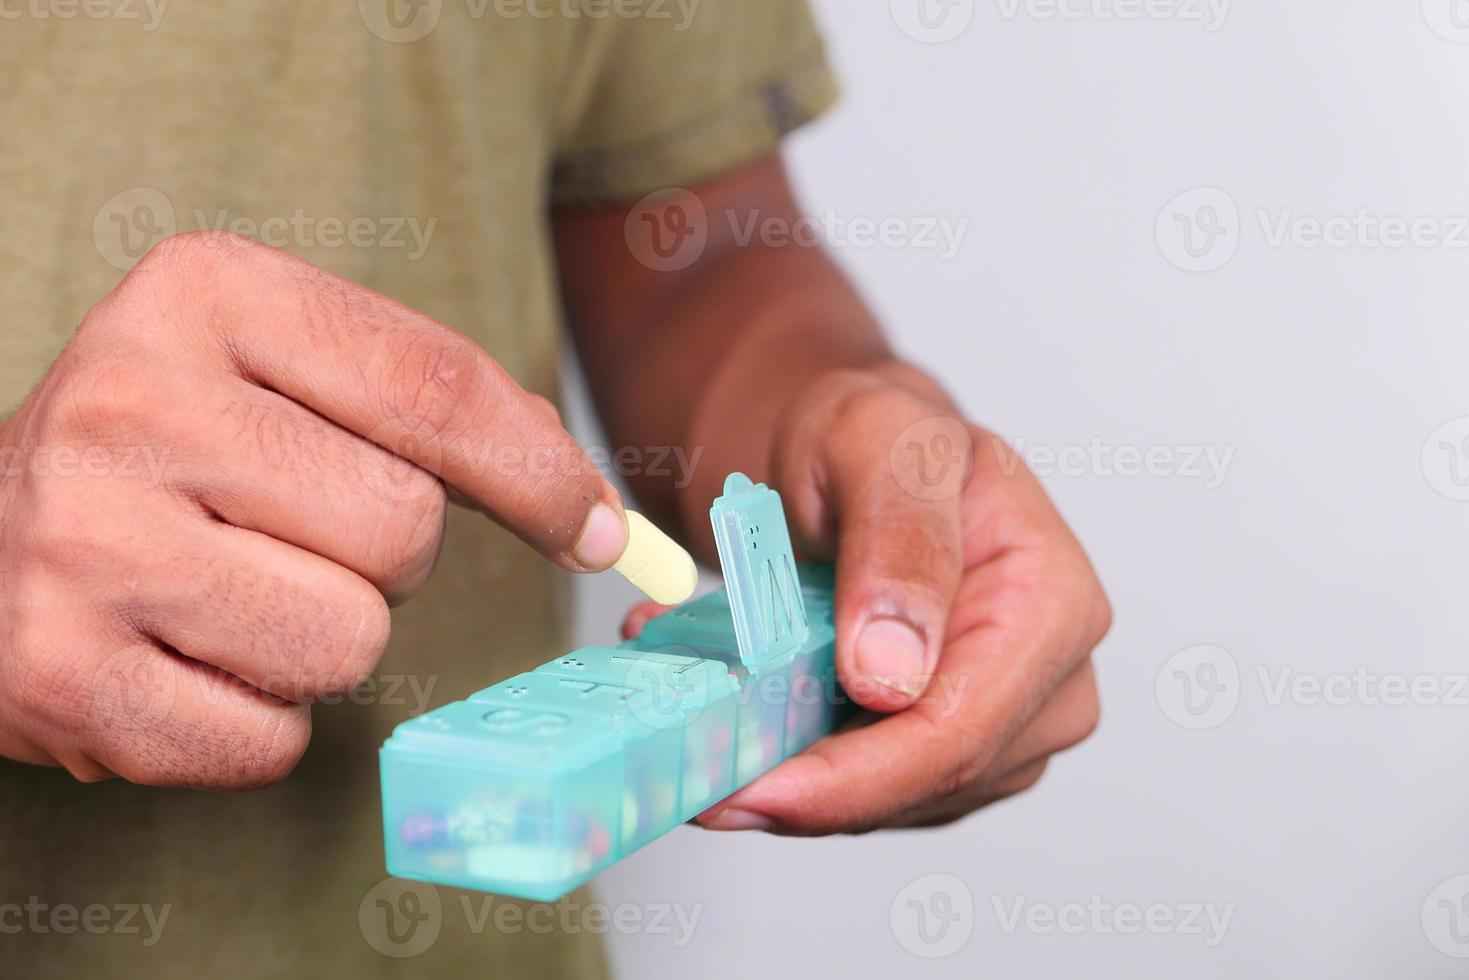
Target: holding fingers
(172,630)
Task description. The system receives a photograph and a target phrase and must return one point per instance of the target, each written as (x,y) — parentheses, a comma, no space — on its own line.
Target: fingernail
(603,539)
(893,653)
(732,819)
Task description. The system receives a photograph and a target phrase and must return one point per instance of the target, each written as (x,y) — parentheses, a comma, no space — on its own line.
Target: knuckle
(44,689)
(434,378)
(1101,618)
(367,624)
(874,406)
(1025,780)
(193,260)
(118,398)
(1083,721)
(408,544)
(267,756)
(546,407)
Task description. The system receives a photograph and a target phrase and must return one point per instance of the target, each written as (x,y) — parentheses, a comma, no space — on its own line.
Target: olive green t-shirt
(416,147)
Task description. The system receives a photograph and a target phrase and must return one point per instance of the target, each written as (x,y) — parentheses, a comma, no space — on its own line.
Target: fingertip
(638,617)
(889,664)
(602,540)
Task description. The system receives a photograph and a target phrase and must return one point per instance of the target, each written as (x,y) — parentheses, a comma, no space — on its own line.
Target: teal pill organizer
(531,787)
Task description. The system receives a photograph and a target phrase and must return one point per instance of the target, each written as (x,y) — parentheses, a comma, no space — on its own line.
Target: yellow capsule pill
(656,564)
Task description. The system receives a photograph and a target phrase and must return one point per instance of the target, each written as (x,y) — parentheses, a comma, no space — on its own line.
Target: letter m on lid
(759,570)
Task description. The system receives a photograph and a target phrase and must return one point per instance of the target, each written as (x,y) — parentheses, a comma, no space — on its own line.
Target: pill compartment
(760,731)
(705,623)
(501,798)
(683,696)
(812,702)
(818,594)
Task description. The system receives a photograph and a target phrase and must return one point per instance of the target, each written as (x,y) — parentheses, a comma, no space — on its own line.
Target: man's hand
(210,500)
(966,612)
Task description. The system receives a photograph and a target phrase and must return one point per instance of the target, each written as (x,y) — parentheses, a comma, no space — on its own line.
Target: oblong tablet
(656,563)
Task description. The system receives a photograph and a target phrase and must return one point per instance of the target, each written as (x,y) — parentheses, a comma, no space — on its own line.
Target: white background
(1062,322)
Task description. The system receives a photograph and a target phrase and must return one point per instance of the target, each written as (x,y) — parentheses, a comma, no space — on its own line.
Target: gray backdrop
(1210,273)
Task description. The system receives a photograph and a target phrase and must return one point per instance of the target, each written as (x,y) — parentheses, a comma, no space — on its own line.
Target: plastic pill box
(531,787)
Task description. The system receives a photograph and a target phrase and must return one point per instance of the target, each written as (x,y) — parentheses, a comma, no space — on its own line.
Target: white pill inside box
(656,563)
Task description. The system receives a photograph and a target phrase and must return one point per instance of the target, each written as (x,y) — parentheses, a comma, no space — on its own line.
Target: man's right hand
(210,500)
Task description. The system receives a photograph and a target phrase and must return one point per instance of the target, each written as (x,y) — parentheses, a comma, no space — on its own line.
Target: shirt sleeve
(664,101)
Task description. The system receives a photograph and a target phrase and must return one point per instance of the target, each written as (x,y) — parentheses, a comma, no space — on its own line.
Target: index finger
(413,386)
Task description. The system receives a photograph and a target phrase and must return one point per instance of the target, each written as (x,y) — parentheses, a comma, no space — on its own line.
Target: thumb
(892,471)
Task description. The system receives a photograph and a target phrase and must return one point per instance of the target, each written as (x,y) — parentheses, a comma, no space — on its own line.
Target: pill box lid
(754,545)
(495,732)
(656,689)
